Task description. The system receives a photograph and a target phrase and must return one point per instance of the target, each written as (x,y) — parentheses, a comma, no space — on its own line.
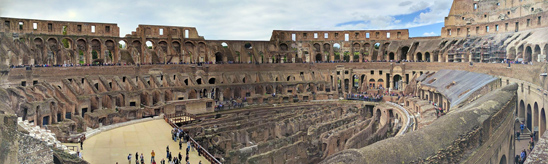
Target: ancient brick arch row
(533,116)
(528,52)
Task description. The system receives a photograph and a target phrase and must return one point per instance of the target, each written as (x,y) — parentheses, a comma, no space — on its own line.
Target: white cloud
(429,34)
(234,19)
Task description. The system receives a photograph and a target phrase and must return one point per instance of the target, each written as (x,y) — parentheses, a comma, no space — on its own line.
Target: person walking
(129,158)
(152,154)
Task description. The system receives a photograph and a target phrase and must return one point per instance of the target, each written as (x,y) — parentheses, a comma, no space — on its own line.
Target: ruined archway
(521,111)
(419,56)
(397,82)
(536,52)
(535,116)
(218,57)
(391,56)
(403,53)
(427,57)
(542,116)
(318,57)
(528,55)
(528,120)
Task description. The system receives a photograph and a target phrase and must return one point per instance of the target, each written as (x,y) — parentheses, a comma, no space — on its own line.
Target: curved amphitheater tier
(296,75)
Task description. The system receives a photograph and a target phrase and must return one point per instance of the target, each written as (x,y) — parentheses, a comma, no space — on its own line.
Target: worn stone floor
(115,145)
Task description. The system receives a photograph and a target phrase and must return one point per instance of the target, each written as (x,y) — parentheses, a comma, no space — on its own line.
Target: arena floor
(115,145)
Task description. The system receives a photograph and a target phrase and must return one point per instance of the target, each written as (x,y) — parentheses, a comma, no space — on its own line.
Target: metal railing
(198,147)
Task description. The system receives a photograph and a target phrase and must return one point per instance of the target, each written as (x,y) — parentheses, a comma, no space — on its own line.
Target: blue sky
(243,19)
(406,20)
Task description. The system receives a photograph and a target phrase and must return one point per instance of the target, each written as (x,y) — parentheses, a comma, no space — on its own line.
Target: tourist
(82,143)
(180,144)
(180,156)
(136,156)
(200,162)
(152,154)
(129,158)
(167,151)
(521,126)
(517,160)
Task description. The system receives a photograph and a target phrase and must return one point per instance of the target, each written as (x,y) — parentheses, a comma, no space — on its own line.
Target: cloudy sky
(243,19)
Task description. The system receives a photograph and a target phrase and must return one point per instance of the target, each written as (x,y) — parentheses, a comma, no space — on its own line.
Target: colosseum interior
(363,96)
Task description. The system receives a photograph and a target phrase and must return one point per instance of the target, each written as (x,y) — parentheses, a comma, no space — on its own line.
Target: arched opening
(199,81)
(317,47)
(535,116)
(122,44)
(503,160)
(542,122)
(67,43)
(397,82)
(529,117)
(248,46)
(403,53)
(224,45)
(377,45)
(536,52)
(318,57)
(391,56)
(212,81)
(521,111)
(218,57)
(378,115)
(528,56)
(192,94)
(336,51)
(284,47)
(149,45)
(380,83)
(419,56)
(371,83)
(427,57)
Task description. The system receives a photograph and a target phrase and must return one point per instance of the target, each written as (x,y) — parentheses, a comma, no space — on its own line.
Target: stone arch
(192,94)
(528,120)
(391,56)
(427,57)
(95,50)
(189,47)
(67,43)
(224,45)
(521,111)
(536,52)
(248,46)
(503,160)
(419,56)
(396,82)
(111,47)
(356,47)
(202,52)
(326,47)
(542,118)
(163,46)
(219,58)
(318,57)
(535,115)
(403,52)
(53,46)
(528,54)
(212,80)
(122,44)
(380,83)
(317,47)
(284,47)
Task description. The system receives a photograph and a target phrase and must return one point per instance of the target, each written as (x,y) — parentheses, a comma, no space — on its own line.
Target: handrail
(406,113)
(198,147)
